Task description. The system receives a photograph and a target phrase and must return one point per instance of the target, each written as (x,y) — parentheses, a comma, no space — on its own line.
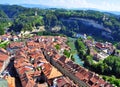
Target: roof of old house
(63,82)
(46,68)
(56,56)
(24,79)
(35,54)
(3,51)
(20,60)
(27,71)
(20,54)
(100,45)
(1,64)
(104,45)
(32,44)
(16,45)
(11,81)
(95,78)
(23,70)
(54,73)
(3,57)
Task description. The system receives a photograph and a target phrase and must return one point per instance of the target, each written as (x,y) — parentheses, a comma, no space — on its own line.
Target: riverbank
(71,43)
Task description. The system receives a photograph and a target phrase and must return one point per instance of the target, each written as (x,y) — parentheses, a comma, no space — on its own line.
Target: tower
(35,13)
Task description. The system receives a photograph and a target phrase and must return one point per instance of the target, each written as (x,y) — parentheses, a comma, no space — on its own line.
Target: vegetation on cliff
(69,22)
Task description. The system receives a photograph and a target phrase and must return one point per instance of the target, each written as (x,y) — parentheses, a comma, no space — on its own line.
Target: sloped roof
(11,81)
(54,73)
(3,56)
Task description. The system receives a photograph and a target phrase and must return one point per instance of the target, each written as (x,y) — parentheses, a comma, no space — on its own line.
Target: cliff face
(82,25)
(66,22)
(87,23)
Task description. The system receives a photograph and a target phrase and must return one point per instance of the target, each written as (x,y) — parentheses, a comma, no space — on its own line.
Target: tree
(82,49)
(72,58)
(66,53)
(114,63)
(1,31)
(57,46)
(90,38)
(118,45)
(89,60)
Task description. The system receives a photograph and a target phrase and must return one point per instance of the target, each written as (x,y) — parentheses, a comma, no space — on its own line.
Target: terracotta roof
(95,78)
(23,70)
(46,68)
(11,81)
(79,75)
(54,73)
(16,45)
(32,44)
(3,51)
(64,82)
(1,64)
(27,78)
(3,57)
(27,72)
(99,45)
(104,45)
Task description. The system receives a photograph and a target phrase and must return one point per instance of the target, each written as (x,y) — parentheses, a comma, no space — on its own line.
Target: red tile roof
(16,44)
(26,70)
(3,57)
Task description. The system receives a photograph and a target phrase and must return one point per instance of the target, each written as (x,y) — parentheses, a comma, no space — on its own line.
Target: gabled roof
(3,57)
(54,73)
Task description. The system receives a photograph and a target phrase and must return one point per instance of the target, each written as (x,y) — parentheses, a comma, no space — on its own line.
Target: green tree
(57,46)
(82,49)
(66,53)
(1,31)
(118,45)
(89,60)
(90,38)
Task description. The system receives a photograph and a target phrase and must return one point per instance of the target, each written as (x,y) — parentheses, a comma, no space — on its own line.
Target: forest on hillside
(18,18)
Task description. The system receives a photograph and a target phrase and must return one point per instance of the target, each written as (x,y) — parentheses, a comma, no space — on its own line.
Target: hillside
(68,22)
(3,21)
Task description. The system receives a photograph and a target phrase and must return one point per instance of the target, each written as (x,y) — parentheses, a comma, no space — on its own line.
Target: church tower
(36,13)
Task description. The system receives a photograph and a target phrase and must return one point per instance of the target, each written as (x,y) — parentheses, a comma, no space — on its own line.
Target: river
(78,60)
(74,51)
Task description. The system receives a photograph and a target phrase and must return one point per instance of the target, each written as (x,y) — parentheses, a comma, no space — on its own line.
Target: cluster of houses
(8,37)
(32,67)
(80,75)
(99,50)
(39,64)
(5,79)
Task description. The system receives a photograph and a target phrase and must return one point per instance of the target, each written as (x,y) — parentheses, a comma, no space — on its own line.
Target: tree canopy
(70,21)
